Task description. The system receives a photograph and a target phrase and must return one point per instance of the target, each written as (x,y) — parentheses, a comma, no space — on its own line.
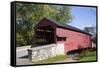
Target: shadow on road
(26,56)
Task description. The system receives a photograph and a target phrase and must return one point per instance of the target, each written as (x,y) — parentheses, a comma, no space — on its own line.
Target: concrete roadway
(21,56)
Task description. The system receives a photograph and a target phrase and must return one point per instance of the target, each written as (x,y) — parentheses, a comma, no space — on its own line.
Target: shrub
(19,40)
(87,53)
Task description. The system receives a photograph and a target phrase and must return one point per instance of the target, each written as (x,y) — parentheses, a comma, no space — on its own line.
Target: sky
(83,17)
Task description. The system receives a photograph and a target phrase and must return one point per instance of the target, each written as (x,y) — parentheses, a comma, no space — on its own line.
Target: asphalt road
(21,53)
(21,56)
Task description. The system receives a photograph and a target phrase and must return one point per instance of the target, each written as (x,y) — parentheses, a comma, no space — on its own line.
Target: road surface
(21,56)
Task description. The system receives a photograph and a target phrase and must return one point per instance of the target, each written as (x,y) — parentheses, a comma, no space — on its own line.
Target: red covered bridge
(66,37)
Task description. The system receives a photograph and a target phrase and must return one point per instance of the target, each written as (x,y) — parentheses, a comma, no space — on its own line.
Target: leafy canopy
(28,15)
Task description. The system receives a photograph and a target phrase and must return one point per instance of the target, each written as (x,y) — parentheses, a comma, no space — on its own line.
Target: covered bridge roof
(65,26)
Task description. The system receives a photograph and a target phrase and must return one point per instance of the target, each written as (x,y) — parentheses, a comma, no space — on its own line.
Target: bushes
(87,53)
(23,39)
(19,40)
(83,53)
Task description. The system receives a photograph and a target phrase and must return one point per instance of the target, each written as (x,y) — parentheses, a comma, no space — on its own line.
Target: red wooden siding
(74,40)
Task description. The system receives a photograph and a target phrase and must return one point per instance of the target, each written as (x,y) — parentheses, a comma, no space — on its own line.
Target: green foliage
(90,58)
(95,40)
(92,31)
(28,15)
(87,53)
(20,40)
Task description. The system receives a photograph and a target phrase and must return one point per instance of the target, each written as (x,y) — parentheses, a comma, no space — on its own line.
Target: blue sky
(83,17)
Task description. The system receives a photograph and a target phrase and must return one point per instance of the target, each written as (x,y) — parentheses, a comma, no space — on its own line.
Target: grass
(51,59)
(88,56)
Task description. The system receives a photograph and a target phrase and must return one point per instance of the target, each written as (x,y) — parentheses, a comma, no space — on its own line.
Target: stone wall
(44,52)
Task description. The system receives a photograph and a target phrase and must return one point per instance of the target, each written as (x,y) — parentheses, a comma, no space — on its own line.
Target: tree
(92,31)
(28,15)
